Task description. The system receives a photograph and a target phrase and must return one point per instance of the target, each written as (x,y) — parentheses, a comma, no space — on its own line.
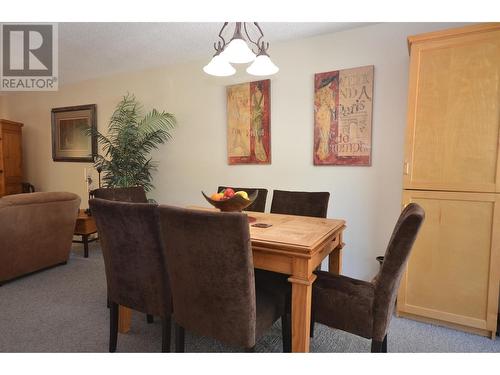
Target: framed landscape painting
(343,102)
(248,123)
(71,138)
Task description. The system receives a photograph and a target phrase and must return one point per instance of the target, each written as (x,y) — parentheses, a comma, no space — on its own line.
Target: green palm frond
(130,140)
(155,120)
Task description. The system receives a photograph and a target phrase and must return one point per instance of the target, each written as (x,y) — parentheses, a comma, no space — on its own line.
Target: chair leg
(166,324)
(376,346)
(113,326)
(179,338)
(311,331)
(250,350)
(379,346)
(150,318)
(286,333)
(384,344)
(287,324)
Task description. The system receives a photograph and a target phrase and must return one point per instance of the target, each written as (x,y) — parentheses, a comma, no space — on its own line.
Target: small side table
(85,226)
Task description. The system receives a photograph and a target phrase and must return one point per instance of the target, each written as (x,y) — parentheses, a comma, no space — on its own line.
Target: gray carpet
(63,309)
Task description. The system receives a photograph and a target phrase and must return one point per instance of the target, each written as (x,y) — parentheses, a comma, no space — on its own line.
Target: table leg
(301,313)
(335,261)
(85,240)
(335,258)
(124,319)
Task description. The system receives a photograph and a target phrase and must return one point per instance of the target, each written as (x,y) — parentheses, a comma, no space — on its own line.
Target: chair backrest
(259,205)
(135,194)
(300,203)
(395,259)
(211,273)
(134,257)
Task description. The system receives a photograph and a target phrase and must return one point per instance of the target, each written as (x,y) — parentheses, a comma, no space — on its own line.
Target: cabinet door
(12,158)
(453,122)
(453,270)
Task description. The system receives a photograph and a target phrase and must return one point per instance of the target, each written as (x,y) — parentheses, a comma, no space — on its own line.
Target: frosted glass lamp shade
(219,66)
(262,66)
(238,52)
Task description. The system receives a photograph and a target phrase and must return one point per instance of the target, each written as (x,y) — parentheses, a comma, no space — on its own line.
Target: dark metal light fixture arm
(218,46)
(257,42)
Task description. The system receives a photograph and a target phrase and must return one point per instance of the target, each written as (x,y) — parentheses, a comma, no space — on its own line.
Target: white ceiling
(90,50)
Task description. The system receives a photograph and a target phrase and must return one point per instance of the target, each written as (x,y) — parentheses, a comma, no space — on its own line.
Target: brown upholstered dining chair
(135,194)
(300,203)
(134,259)
(259,205)
(211,273)
(365,308)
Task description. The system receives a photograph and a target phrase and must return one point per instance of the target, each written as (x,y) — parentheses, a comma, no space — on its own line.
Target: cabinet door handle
(406,168)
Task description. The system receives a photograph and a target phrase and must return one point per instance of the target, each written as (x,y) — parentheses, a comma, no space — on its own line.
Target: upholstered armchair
(301,203)
(134,260)
(134,194)
(365,308)
(35,231)
(211,271)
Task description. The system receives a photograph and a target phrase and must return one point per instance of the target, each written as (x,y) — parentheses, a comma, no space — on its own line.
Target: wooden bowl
(234,204)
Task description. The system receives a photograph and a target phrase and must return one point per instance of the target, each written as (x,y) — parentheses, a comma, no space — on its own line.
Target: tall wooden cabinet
(11,172)
(452,169)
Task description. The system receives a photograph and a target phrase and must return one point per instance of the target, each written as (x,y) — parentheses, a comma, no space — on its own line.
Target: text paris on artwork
(343,103)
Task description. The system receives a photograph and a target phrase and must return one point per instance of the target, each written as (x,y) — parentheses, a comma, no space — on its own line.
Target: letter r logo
(27,50)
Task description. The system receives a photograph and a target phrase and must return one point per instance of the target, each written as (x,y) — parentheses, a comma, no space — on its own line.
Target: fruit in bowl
(228,193)
(244,194)
(217,196)
(231,201)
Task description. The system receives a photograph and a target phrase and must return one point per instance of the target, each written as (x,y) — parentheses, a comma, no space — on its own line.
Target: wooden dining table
(295,246)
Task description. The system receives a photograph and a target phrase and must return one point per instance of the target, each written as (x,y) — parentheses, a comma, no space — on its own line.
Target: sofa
(36,231)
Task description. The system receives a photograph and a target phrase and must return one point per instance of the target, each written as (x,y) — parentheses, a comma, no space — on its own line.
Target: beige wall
(1,106)
(367,197)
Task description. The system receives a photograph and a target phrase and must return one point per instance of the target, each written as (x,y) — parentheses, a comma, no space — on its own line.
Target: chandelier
(237,51)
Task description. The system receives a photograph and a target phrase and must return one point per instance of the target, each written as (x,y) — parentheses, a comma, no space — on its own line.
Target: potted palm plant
(127,146)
